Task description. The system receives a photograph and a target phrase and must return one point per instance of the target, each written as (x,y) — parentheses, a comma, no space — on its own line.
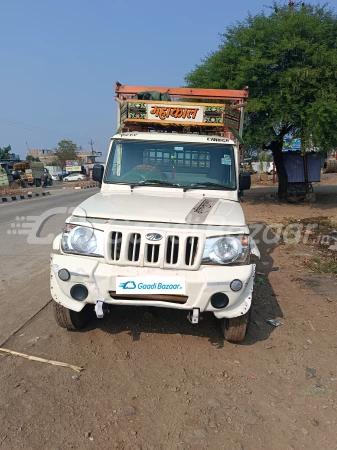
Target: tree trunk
(276,148)
(306,175)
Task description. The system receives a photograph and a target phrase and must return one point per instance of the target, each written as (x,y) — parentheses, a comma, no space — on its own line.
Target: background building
(45,156)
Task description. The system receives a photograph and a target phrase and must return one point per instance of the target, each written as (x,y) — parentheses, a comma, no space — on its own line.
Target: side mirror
(97,173)
(244,181)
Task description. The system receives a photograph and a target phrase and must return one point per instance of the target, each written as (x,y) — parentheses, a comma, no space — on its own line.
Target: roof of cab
(173,137)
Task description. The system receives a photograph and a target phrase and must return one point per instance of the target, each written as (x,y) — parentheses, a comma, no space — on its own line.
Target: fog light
(79,292)
(219,300)
(64,275)
(236,285)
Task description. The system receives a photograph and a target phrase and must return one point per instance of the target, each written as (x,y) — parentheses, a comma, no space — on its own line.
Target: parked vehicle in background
(53,170)
(30,172)
(167,228)
(59,176)
(75,177)
(5,178)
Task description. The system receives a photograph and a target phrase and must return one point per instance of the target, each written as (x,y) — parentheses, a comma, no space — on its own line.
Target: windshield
(189,165)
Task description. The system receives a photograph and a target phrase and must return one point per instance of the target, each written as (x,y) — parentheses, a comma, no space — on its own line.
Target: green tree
(5,151)
(288,58)
(65,151)
(32,158)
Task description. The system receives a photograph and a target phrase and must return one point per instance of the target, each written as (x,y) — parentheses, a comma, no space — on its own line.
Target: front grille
(134,247)
(181,251)
(191,250)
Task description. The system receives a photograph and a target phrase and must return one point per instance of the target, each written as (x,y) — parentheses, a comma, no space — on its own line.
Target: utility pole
(291,6)
(91,143)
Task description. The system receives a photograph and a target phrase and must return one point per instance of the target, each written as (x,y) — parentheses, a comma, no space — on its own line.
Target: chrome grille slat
(116,245)
(191,253)
(172,248)
(152,253)
(134,247)
(134,251)
(191,249)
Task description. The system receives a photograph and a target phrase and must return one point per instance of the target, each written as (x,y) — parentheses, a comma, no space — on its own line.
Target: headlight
(82,240)
(226,250)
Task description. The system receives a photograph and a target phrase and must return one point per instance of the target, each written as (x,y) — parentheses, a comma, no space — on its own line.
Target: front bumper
(100,279)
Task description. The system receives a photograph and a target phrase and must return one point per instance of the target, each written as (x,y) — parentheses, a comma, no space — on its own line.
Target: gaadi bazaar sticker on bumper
(150,285)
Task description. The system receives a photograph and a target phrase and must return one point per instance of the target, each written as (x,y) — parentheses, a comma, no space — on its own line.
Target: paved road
(24,280)
(57,185)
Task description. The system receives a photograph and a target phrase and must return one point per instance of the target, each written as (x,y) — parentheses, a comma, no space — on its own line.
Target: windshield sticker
(226,160)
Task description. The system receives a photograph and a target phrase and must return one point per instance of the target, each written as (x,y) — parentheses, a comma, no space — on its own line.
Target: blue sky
(60,60)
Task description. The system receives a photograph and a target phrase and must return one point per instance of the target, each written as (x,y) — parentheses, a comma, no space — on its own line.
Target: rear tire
(235,329)
(71,320)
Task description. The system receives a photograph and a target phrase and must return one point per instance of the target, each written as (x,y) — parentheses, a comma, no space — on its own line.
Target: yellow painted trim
(195,104)
(168,122)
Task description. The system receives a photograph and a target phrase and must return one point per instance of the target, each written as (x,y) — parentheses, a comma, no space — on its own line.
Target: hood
(154,208)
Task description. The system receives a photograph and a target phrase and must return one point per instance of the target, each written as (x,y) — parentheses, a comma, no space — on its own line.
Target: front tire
(235,329)
(71,320)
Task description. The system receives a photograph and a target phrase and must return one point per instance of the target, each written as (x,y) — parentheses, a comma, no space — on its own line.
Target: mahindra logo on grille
(154,237)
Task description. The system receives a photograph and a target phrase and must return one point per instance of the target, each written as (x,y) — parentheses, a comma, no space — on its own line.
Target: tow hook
(194,316)
(99,309)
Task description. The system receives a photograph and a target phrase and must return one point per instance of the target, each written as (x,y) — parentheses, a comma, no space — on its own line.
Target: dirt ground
(6,191)
(327,179)
(152,381)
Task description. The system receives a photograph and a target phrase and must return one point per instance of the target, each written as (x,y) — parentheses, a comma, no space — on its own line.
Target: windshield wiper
(206,184)
(153,182)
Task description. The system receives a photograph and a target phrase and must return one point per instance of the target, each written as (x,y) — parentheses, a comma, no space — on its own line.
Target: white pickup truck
(166,230)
